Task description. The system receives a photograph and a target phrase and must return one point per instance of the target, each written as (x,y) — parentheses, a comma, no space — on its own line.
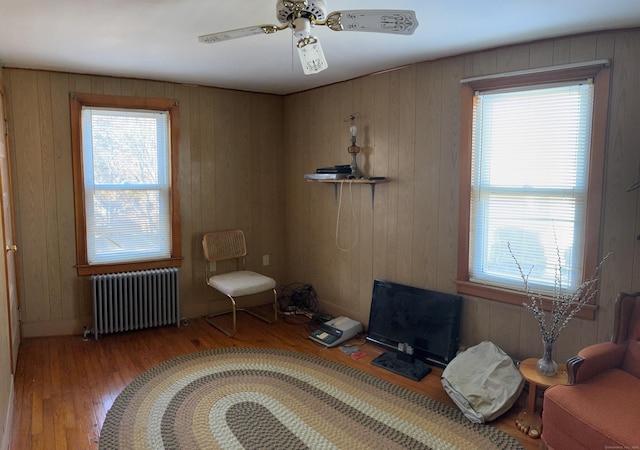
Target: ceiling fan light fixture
(311,55)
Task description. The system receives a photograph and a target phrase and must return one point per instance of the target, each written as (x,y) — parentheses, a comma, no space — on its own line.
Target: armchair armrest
(593,360)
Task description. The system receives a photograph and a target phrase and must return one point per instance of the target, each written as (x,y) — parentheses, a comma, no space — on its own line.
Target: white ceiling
(157,39)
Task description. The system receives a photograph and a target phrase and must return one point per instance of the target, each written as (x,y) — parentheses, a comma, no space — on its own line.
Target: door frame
(13,352)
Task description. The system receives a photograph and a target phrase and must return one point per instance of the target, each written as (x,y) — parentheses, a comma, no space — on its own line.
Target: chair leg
(275,305)
(210,317)
(234,308)
(261,317)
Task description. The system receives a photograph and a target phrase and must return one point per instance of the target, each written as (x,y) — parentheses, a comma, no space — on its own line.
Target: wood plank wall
(243,157)
(230,152)
(409,130)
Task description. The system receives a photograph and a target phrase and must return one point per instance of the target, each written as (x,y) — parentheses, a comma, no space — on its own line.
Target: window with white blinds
(126,167)
(529,178)
(125,154)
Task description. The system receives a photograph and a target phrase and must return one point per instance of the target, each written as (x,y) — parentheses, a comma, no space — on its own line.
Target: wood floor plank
(60,422)
(48,425)
(65,385)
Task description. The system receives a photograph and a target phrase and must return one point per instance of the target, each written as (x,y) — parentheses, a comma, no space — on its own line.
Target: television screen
(428,321)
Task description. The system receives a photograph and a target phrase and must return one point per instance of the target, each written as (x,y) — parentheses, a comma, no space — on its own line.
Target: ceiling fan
(302,15)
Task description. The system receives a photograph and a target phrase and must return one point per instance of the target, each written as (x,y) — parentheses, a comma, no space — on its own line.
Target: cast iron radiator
(135,300)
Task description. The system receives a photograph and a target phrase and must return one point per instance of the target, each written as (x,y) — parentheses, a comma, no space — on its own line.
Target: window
(532,156)
(125,154)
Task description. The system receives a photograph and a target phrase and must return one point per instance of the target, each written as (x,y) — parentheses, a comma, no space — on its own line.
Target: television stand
(399,363)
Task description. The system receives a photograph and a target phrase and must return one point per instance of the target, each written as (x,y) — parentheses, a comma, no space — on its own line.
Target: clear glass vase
(546,365)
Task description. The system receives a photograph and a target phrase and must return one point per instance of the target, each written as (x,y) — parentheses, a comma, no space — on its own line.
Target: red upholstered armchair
(600,407)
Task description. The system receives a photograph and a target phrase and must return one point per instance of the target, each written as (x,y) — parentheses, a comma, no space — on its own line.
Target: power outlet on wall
(212,266)
(265,260)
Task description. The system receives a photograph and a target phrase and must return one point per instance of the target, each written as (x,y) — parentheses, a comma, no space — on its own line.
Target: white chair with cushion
(228,245)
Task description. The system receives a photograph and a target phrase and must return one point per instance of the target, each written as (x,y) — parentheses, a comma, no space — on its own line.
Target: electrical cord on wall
(353,213)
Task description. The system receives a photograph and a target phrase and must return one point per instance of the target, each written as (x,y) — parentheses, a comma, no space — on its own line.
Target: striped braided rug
(274,399)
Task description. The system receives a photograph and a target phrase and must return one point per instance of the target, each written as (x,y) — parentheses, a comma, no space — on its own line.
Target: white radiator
(135,300)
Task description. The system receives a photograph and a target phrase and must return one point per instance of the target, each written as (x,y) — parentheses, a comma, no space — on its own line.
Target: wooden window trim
(108,101)
(601,79)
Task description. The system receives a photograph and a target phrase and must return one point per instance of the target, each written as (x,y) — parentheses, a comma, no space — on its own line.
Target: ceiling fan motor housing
(301,27)
(289,10)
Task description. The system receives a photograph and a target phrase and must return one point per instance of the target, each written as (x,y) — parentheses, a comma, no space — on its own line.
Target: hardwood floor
(65,386)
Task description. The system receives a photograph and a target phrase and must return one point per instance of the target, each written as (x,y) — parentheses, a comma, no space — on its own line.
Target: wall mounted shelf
(370,181)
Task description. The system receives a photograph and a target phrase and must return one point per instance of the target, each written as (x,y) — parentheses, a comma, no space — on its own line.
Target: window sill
(514,297)
(87,270)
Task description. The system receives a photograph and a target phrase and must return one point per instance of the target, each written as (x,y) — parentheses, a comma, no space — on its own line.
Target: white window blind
(530,162)
(126,168)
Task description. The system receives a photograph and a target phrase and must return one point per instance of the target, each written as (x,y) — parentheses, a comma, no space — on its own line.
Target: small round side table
(529,421)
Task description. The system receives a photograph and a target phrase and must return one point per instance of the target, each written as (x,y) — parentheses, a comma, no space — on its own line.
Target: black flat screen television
(428,321)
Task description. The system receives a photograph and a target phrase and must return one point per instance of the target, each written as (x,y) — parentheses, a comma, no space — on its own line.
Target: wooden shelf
(354,181)
(368,181)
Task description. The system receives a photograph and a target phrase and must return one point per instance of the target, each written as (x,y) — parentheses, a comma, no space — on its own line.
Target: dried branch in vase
(564,305)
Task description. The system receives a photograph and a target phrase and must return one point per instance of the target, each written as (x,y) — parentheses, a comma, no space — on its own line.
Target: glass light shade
(312,58)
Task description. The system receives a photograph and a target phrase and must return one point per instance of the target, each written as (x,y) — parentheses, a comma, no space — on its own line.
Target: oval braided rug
(275,399)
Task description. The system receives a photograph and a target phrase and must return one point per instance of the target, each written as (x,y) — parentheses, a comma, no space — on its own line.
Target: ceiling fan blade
(374,20)
(240,32)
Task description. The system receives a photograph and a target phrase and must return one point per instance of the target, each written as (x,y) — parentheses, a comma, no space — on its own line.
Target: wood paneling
(412,122)
(621,223)
(230,143)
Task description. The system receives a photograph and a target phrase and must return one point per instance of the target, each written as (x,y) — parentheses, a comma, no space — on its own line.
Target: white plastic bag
(483,382)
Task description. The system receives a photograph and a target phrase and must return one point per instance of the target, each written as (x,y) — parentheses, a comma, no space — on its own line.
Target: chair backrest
(627,329)
(222,245)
